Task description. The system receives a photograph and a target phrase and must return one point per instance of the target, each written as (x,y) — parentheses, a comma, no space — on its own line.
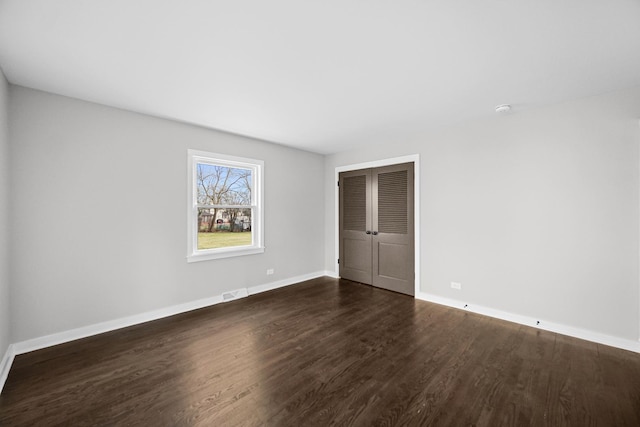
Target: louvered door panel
(355,203)
(392,202)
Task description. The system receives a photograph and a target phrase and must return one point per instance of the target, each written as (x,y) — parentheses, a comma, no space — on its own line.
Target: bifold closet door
(393,237)
(376,227)
(356,259)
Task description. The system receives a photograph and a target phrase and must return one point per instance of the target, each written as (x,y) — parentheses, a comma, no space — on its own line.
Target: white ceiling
(324,75)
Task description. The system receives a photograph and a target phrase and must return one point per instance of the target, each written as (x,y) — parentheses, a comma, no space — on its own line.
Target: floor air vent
(231,295)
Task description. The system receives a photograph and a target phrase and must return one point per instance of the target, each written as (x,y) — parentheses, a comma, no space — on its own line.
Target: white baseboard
(5,365)
(98,328)
(286,282)
(111,325)
(332,274)
(571,331)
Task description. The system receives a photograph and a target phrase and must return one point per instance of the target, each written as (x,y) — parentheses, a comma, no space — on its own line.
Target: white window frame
(257,213)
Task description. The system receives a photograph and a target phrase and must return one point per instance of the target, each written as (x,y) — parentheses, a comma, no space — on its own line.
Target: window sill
(225,253)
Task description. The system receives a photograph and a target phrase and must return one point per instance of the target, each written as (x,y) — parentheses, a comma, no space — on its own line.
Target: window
(225,206)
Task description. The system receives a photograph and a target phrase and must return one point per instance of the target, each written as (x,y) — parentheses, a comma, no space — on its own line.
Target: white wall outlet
(456,285)
(269,271)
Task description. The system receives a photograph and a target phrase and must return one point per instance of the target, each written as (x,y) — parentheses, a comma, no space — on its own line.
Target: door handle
(368,232)
(375,233)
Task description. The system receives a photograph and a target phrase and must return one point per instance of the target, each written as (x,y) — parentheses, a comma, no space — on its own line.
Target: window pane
(222,185)
(224,227)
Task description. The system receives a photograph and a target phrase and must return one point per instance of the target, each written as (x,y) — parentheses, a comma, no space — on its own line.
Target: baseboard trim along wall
(332,274)
(571,331)
(111,325)
(98,328)
(5,365)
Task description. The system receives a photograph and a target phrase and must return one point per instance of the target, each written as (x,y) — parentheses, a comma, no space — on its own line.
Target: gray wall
(5,328)
(535,213)
(99,214)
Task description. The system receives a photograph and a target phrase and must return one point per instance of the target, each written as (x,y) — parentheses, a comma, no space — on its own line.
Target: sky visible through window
(222,185)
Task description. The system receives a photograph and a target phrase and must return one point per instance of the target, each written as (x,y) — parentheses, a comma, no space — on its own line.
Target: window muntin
(225,206)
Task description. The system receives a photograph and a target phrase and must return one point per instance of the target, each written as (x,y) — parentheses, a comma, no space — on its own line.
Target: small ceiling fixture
(503,109)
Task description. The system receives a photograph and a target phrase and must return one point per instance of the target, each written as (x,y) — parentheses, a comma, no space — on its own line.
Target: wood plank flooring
(325,352)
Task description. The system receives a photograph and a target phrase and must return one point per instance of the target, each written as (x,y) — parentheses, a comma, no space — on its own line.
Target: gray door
(355,226)
(392,218)
(376,227)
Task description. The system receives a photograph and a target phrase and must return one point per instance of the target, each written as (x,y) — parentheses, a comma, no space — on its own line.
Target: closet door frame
(415,158)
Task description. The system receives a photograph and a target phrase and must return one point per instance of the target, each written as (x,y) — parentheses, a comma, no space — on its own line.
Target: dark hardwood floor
(325,352)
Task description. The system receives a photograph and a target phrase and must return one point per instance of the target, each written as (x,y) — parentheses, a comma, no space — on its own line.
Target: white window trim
(193,253)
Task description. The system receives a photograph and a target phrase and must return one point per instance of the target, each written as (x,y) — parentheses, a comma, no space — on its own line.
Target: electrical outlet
(269,271)
(456,285)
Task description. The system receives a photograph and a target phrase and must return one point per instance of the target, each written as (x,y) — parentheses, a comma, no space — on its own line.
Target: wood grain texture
(325,352)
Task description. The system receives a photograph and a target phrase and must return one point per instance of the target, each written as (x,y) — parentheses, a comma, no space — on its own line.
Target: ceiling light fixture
(503,109)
